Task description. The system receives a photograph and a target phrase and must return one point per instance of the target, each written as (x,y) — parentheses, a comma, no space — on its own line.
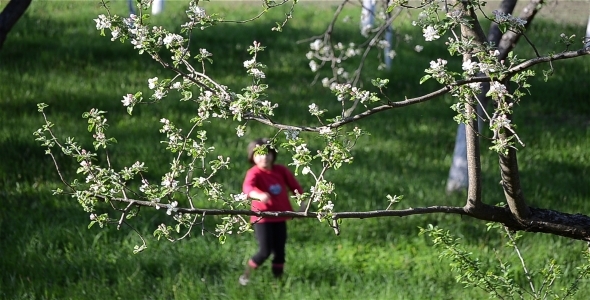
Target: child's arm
(259,195)
(249,188)
(295,187)
(292,182)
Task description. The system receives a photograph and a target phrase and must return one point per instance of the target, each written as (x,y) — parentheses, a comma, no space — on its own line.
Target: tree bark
(474,32)
(457,179)
(10,15)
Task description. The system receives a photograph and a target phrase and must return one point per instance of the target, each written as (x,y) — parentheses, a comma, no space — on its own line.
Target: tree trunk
(457,179)
(10,15)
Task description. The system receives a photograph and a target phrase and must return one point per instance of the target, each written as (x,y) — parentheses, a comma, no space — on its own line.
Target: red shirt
(277,182)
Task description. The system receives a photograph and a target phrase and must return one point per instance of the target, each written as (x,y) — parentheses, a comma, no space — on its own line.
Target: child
(268,185)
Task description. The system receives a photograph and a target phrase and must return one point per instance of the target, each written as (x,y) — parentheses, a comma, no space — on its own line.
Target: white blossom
(391,54)
(257,73)
(204,53)
(169,182)
(240,131)
(484,67)
(325,130)
(502,121)
(173,138)
(152,83)
(476,86)
(430,33)
(329,206)
(365,30)
(172,39)
(115,33)
(240,197)
(196,12)
(249,63)
(418,48)
(102,22)
(469,66)
(314,109)
(438,64)
(172,208)
(313,66)
(127,100)
(350,52)
(235,108)
(498,88)
(306,170)
(438,67)
(159,94)
(144,185)
(316,45)
(138,165)
(139,33)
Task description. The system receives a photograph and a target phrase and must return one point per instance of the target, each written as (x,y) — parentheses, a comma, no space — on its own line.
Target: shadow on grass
(69,67)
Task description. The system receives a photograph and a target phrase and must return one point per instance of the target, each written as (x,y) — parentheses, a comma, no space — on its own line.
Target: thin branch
(144,244)
(335,226)
(330,27)
(293,214)
(473,158)
(442,91)
(526,271)
(535,61)
(123,215)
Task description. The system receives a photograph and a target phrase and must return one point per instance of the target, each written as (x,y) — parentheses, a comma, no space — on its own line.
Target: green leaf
(426,77)
(41,106)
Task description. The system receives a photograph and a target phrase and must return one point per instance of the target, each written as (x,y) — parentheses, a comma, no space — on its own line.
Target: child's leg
(264,238)
(278,248)
(263,233)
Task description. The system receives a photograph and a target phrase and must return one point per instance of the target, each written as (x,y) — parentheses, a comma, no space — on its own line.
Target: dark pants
(272,237)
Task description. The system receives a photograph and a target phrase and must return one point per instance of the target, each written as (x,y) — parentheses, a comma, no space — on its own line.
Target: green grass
(55,55)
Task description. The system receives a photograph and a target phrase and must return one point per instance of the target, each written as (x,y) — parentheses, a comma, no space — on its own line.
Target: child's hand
(264,198)
(260,196)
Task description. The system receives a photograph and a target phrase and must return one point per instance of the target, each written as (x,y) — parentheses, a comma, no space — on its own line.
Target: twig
(122,218)
(526,272)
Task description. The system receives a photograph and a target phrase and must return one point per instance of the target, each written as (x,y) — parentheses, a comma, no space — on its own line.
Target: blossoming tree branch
(101,185)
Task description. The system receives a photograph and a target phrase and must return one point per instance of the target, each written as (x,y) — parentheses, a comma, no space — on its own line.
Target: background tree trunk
(10,15)
(367,21)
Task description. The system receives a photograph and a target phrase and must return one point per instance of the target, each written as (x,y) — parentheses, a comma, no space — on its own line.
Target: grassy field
(55,55)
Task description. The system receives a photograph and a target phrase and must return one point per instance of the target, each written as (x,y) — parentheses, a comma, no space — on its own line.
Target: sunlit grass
(56,56)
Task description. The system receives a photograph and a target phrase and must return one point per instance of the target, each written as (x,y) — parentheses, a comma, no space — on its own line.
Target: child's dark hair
(259,142)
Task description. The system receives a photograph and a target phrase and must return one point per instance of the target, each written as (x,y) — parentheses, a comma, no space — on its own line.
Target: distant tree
(10,15)
(483,64)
